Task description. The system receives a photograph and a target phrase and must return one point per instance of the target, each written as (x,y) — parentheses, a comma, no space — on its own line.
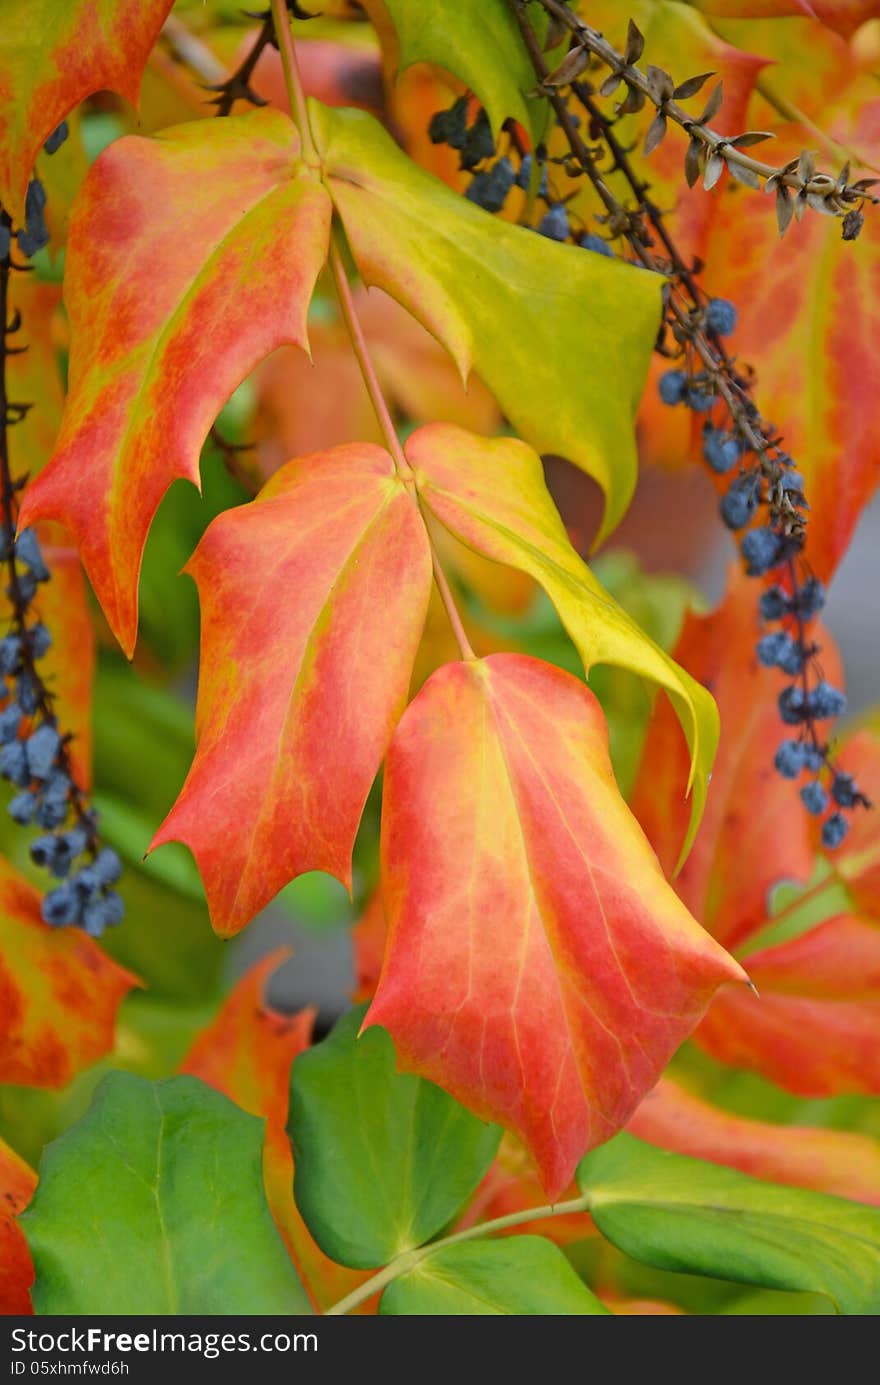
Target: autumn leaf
(368,943)
(829,1161)
(33,377)
(59,52)
(313,599)
(246,1053)
(539,967)
(17,1183)
(505,302)
(844,16)
(857,861)
(191,257)
(490,493)
(59,992)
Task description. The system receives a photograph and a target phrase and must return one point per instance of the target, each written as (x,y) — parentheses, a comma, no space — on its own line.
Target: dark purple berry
(773,603)
(39,639)
(672,385)
(22,808)
(478,143)
(790,759)
(10,654)
(791,705)
(826,701)
(739,503)
(720,450)
(107,866)
(42,749)
(762,549)
(834,829)
(844,790)
(27,551)
(13,764)
(43,850)
(27,692)
(699,400)
(810,598)
(450,126)
(815,758)
(61,906)
(773,648)
(10,720)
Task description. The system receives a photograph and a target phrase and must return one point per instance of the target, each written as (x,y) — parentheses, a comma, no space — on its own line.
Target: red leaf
(58,52)
(313,599)
(59,993)
(844,16)
(539,967)
(17,1184)
(830,1161)
(191,257)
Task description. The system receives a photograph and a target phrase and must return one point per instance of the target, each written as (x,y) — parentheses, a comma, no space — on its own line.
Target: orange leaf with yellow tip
(538,965)
(246,1053)
(59,992)
(313,599)
(191,257)
(17,1183)
(829,1161)
(57,52)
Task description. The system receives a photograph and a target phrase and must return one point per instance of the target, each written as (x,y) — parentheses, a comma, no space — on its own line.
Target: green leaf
(153,1203)
(476,40)
(683,1214)
(562,337)
(521,1275)
(383,1159)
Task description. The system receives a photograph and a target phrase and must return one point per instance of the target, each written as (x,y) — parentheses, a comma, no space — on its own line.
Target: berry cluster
(33,757)
(770,481)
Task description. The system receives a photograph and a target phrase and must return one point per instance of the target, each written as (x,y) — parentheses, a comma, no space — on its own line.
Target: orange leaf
(368,942)
(57,53)
(813,1025)
(829,1161)
(34,377)
(753,816)
(246,1053)
(538,966)
(313,599)
(59,993)
(191,257)
(844,16)
(17,1184)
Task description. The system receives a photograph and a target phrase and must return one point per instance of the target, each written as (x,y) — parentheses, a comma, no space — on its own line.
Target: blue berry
(10,720)
(27,551)
(792,660)
(27,692)
(699,400)
(844,790)
(10,653)
(26,584)
(50,812)
(792,481)
(790,759)
(42,748)
(762,549)
(721,316)
(773,648)
(791,705)
(815,758)
(43,850)
(672,385)
(720,450)
(523,178)
(107,866)
(478,143)
(826,701)
(39,640)
(834,829)
(13,764)
(22,808)
(450,127)
(61,906)
(554,223)
(814,797)
(810,598)
(490,188)
(57,138)
(589,241)
(739,503)
(773,603)
(67,848)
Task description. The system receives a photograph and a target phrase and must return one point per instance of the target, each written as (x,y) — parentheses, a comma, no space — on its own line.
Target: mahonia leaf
(34,376)
(844,16)
(483,48)
(491,494)
(561,336)
(59,992)
(538,964)
(57,52)
(313,599)
(153,1203)
(829,1161)
(17,1183)
(693,1217)
(246,1053)
(191,257)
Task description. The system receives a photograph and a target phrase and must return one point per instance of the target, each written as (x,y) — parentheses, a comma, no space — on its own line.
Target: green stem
(408,1259)
(292,80)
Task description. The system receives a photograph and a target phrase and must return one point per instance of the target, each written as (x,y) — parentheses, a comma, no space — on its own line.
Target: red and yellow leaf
(191,257)
(34,376)
(59,993)
(538,965)
(17,1184)
(246,1053)
(368,943)
(829,1161)
(313,599)
(814,1024)
(844,16)
(57,52)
